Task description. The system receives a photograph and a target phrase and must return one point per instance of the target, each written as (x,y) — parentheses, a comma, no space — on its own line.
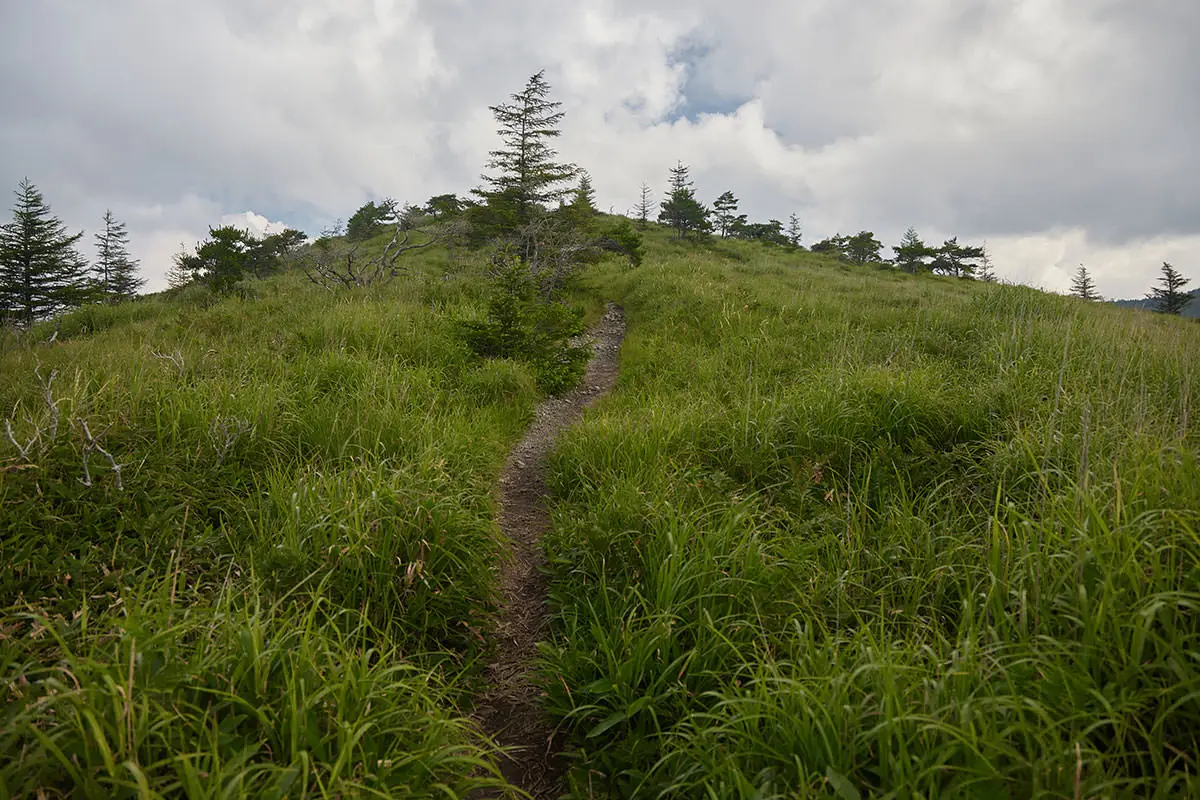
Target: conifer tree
(725,214)
(584,202)
(180,273)
(986,273)
(681,210)
(115,272)
(912,254)
(793,230)
(1083,286)
(525,174)
(642,209)
(1170,299)
(41,272)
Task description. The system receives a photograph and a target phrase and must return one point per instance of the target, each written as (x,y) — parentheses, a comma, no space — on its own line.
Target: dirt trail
(509,711)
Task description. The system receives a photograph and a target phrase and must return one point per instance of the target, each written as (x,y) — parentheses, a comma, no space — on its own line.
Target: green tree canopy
(836,245)
(443,206)
(863,248)
(956,259)
(230,253)
(726,219)
(912,254)
(681,210)
(369,220)
(41,272)
(769,232)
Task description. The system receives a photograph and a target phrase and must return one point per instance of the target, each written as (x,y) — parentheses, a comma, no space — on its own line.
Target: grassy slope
(842,532)
(838,531)
(286,596)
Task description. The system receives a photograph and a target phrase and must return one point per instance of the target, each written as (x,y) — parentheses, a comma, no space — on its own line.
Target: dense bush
(530,325)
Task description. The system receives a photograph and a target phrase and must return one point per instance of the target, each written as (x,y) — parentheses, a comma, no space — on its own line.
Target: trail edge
(509,711)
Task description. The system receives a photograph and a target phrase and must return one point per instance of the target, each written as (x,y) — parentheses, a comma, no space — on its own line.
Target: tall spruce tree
(1083,286)
(681,210)
(525,176)
(644,206)
(115,271)
(1170,298)
(41,272)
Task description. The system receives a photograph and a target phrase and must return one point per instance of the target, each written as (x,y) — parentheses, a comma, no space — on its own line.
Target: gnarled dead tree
(343,266)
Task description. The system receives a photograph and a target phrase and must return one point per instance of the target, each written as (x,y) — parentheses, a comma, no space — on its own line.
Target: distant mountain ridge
(1192,309)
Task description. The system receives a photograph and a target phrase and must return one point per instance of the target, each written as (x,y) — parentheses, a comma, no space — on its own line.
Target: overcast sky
(1058,131)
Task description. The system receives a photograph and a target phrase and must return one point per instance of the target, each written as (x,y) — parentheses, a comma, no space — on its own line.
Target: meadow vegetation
(838,532)
(850,532)
(842,529)
(283,592)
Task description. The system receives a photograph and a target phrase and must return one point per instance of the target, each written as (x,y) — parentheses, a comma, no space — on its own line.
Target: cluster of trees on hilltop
(681,211)
(43,272)
(230,254)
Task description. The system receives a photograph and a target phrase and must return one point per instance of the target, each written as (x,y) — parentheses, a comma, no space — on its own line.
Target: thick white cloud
(1058,131)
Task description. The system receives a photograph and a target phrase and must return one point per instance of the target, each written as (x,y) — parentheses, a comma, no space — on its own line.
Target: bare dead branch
(225,433)
(48,396)
(336,268)
(175,359)
(45,434)
(22,451)
(92,445)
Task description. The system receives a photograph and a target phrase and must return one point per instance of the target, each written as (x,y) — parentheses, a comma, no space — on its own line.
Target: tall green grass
(288,593)
(851,533)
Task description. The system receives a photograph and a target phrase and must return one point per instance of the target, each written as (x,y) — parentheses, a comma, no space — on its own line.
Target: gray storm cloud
(1058,131)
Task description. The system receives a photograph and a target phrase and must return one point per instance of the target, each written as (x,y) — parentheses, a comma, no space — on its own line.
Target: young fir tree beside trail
(116,273)
(1170,298)
(681,210)
(41,272)
(583,204)
(525,175)
(1082,286)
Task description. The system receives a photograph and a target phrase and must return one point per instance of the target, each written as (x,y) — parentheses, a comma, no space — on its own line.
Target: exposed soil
(510,711)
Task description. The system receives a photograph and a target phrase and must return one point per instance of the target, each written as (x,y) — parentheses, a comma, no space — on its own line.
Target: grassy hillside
(838,532)
(842,532)
(285,598)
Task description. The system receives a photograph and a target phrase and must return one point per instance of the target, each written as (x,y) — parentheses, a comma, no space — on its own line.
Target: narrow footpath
(509,711)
